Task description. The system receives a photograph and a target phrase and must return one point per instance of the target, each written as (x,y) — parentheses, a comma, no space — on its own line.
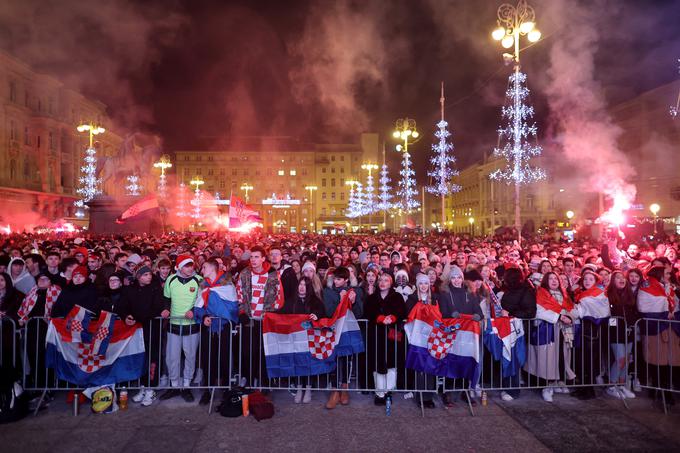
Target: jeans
(619,366)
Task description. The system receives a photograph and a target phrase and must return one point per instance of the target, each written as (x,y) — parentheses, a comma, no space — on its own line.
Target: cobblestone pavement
(527,424)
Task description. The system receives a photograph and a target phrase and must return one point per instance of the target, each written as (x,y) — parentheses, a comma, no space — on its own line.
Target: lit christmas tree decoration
(442,170)
(407,185)
(384,195)
(196,202)
(164,163)
(90,185)
(517,134)
(360,200)
(181,209)
(369,195)
(133,188)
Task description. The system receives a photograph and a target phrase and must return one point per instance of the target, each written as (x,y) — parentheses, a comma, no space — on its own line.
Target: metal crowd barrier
(234,356)
(657,354)
(8,344)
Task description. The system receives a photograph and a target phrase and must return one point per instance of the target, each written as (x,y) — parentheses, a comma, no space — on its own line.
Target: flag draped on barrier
(442,347)
(88,351)
(654,303)
(504,338)
(296,346)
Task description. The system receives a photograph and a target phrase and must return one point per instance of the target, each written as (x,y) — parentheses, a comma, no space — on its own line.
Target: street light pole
(513,22)
(311,204)
(369,205)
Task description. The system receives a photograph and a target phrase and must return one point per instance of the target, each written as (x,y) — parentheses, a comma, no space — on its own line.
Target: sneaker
(308,395)
(505,396)
(614,392)
(599,380)
(139,396)
(547,394)
(559,387)
(149,397)
(478,391)
(164,381)
(187,395)
(626,392)
(298,395)
(172,393)
(636,385)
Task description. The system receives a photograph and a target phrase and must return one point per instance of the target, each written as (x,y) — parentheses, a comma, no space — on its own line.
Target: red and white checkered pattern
(321,342)
(101,334)
(439,343)
(257,301)
(76,325)
(87,361)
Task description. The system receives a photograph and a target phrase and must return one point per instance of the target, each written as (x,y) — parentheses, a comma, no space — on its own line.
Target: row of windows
(199,158)
(324,170)
(244,172)
(323,182)
(14,136)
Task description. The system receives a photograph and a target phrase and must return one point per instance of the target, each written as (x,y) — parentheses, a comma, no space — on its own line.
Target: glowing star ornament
(89,183)
(133,188)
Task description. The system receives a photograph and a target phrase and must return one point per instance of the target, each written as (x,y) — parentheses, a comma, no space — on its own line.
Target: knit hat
(135,259)
(422,278)
(82,251)
(309,265)
(183,260)
(373,267)
(397,254)
(80,270)
(143,270)
(455,272)
(401,273)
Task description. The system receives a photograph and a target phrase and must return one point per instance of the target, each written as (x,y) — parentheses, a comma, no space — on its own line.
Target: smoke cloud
(343,55)
(100,48)
(580,122)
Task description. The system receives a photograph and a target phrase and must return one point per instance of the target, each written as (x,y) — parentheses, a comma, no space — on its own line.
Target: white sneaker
(198,377)
(164,381)
(559,387)
(478,391)
(636,385)
(149,397)
(599,380)
(505,396)
(614,393)
(243,382)
(298,395)
(308,395)
(139,396)
(626,392)
(547,395)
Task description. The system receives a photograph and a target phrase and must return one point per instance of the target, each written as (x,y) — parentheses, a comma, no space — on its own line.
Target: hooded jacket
(24,282)
(71,295)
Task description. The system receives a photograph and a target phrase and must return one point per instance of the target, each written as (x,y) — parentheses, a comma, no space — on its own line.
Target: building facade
(279,169)
(41,151)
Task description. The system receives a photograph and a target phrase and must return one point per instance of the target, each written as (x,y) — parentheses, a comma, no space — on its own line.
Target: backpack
(231,405)
(13,401)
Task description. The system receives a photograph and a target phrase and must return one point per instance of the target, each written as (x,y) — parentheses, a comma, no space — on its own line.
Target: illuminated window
(282,172)
(293,173)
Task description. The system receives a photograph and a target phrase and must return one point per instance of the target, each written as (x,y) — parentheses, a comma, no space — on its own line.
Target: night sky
(198,72)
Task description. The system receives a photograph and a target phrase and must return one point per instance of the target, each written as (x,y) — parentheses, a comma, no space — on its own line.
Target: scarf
(32,297)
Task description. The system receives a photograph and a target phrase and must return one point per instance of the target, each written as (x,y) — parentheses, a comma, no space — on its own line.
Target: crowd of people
(563,291)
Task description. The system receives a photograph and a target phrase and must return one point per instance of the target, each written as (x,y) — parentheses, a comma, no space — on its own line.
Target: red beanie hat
(183,260)
(81,270)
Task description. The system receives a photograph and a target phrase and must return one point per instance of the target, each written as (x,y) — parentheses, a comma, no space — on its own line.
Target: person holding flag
(259,291)
(216,306)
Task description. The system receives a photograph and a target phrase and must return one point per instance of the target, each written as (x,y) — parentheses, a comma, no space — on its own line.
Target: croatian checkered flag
(88,351)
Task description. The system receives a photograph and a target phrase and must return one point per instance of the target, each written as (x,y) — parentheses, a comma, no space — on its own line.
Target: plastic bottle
(484,398)
(245,405)
(123,400)
(388,405)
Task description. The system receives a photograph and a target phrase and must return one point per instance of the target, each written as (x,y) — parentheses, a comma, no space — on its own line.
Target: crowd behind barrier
(440,318)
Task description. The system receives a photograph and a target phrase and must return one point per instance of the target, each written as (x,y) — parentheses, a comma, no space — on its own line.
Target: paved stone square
(527,424)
